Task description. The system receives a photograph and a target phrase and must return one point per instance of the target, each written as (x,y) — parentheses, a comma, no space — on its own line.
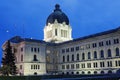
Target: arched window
(22,57)
(77,72)
(83,72)
(109,72)
(77,56)
(35,58)
(67,57)
(83,56)
(89,72)
(62,73)
(72,57)
(89,55)
(63,58)
(72,72)
(35,73)
(67,73)
(102,54)
(102,72)
(117,51)
(109,53)
(95,54)
(95,72)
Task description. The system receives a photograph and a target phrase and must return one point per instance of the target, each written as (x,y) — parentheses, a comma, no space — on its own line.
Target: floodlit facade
(60,54)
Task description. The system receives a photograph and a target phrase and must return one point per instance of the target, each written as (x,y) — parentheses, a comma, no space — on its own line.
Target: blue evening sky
(27,18)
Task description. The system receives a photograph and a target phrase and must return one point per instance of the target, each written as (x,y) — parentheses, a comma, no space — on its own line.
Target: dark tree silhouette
(8,61)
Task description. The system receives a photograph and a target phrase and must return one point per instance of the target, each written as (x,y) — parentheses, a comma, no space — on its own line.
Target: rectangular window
(38,50)
(77,66)
(20,66)
(116,41)
(83,65)
(35,50)
(119,63)
(67,66)
(63,50)
(89,65)
(108,42)
(101,44)
(102,64)
(94,45)
(21,49)
(95,65)
(72,49)
(109,63)
(31,49)
(55,32)
(63,66)
(88,46)
(77,48)
(67,50)
(72,66)
(31,66)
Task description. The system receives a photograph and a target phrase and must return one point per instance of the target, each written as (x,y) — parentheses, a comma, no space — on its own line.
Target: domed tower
(57,27)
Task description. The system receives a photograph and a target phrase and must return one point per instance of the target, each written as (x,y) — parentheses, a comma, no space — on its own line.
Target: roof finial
(57,7)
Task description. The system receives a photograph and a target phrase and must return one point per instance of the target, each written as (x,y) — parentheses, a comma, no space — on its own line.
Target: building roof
(57,15)
(93,35)
(18,39)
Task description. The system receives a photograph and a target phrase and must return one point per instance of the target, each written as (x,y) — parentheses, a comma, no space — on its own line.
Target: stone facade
(60,54)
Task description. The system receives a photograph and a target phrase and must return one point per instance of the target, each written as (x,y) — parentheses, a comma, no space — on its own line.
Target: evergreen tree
(8,61)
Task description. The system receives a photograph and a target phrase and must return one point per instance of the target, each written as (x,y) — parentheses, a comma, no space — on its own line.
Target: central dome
(57,15)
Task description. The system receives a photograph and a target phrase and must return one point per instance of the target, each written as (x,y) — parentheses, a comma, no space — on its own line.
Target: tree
(8,61)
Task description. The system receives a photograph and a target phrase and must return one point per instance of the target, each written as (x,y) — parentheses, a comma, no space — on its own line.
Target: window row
(88,72)
(91,65)
(93,45)
(35,66)
(36,50)
(89,55)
